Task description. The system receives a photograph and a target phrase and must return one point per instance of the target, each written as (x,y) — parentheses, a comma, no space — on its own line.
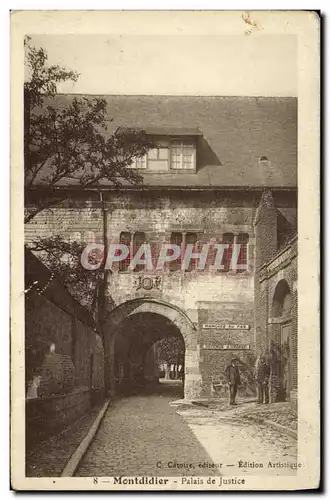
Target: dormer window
(171,153)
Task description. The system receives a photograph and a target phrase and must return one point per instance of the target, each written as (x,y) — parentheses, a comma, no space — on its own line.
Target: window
(242,239)
(228,238)
(182,155)
(158,157)
(169,153)
(139,163)
(138,240)
(159,153)
(125,239)
(182,240)
(176,239)
(240,259)
(191,239)
(133,242)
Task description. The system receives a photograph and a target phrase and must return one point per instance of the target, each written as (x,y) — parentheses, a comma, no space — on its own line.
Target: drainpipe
(106,347)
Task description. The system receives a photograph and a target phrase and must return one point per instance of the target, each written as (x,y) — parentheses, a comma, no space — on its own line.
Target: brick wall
(281,271)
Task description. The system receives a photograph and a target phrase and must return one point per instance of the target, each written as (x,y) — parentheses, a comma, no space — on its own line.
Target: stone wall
(47,324)
(207,213)
(225,331)
(48,415)
(63,353)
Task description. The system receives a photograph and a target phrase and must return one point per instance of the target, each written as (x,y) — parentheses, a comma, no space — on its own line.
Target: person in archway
(262,377)
(233,380)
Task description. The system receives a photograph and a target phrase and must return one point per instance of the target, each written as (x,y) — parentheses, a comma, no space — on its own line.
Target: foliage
(72,143)
(63,259)
(171,350)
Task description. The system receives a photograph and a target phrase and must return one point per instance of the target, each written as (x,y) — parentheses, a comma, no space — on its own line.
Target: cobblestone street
(145,435)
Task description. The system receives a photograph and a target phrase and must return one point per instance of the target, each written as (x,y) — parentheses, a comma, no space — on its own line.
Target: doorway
(286,361)
(282,331)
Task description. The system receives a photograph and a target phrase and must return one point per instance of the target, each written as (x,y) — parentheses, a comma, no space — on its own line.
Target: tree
(69,145)
(170,350)
(63,259)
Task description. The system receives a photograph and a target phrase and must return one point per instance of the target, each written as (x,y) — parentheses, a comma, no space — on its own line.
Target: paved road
(243,447)
(144,435)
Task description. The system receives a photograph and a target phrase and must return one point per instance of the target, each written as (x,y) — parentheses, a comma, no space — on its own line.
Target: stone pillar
(193,377)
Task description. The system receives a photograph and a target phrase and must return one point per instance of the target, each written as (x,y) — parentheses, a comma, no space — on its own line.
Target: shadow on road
(142,434)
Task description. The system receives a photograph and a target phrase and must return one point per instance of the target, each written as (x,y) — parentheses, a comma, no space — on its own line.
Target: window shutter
(227,254)
(125,239)
(176,239)
(243,240)
(138,240)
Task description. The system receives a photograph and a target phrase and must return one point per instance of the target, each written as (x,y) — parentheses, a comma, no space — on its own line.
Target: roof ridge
(217,96)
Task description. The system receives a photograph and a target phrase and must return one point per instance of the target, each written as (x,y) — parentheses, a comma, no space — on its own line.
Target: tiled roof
(236,133)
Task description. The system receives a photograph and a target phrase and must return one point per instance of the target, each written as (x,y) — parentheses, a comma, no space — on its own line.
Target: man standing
(233,379)
(262,376)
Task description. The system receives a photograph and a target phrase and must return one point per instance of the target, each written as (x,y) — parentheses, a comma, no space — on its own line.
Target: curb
(281,428)
(77,456)
(284,430)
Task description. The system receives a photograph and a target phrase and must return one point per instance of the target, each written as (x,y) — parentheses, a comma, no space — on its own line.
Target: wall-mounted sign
(228,347)
(221,326)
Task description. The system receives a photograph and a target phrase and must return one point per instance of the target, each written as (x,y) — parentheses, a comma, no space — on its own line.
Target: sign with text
(222,326)
(228,347)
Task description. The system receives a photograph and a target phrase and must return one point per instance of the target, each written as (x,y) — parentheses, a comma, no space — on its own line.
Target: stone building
(276,299)
(217,160)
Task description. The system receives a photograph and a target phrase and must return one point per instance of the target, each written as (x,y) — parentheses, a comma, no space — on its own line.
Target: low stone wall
(48,415)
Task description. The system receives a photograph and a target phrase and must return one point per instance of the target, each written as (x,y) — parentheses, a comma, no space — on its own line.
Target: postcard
(164,250)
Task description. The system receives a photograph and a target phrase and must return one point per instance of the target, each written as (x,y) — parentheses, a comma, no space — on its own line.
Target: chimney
(264,162)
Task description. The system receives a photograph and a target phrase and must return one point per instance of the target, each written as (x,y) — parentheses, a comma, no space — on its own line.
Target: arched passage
(281,343)
(282,300)
(132,328)
(135,349)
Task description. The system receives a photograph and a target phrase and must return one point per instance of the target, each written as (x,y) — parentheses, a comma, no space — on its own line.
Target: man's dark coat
(233,376)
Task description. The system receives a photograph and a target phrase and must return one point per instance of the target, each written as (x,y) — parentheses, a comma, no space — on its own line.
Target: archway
(282,300)
(131,331)
(281,343)
(136,367)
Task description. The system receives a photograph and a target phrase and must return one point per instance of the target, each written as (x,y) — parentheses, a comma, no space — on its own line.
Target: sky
(176,64)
